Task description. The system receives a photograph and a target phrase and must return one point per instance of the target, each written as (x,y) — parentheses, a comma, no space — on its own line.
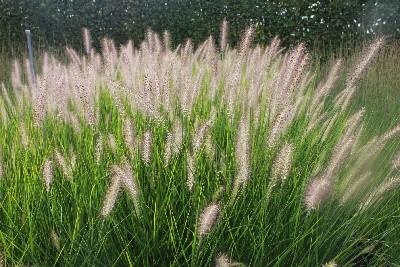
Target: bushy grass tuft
(195,157)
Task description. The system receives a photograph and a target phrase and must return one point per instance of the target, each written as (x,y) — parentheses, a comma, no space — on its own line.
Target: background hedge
(319,23)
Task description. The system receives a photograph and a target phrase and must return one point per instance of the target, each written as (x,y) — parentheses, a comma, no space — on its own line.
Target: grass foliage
(214,156)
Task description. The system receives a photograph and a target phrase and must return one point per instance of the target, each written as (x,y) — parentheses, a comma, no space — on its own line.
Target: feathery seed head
(98,149)
(242,152)
(282,164)
(112,192)
(129,136)
(317,192)
(224,35)
(146,147)
(48,173)
(246,41)
(208,218)
(191,169)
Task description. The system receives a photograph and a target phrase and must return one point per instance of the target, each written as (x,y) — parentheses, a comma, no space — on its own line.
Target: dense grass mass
(214,156)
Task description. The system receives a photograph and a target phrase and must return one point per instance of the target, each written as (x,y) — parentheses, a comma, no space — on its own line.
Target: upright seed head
(62,163)
(129,136)
(282,164)
(191,168)
(317,191)
(208,218)
(48,173)
(364,62)
(87,40)
(280,124)
(146,147)
(246,41)
(242,152)
(128,181)
(224,35)
(200,136)
(98,149)
(112,192)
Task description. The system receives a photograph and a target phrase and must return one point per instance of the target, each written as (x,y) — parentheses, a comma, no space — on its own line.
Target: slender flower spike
(146,147)
(122,178)
(63,165)
(112,192)
(191,168)
(98,149)
(224,35)
(87,40)
(364,62)
(129,136)
(48,173)
(242,153)
(317,192)
(282,163)
(129,183)
(200,136)
(207,219)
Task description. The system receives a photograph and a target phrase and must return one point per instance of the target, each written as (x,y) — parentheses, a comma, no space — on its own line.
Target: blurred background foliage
(321,24)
